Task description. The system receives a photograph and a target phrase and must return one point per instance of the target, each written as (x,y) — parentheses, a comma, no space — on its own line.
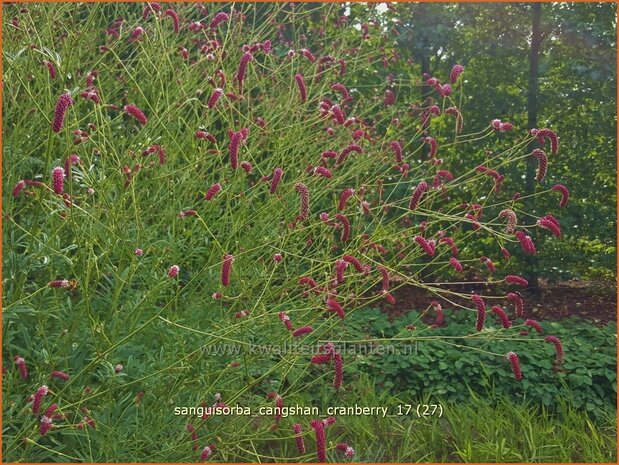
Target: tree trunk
(536,10)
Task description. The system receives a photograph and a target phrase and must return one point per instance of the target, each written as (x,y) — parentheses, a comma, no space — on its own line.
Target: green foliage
(442,366)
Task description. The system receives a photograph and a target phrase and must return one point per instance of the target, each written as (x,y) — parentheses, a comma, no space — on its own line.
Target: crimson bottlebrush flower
(397,150)
(345,222)
(38,398)
(226,268)
(511,220)
(565,194)
(518,303)
(550,222)
(385,277)
(498,178)
(186,213)
(276,179)
(455,72)
(172,14)
(344,153)
(307,54)
(173,271)
(279,405)
(338,366)
(344,196)
(515,361)
(439,313)
(59,283)
(542,166)
(87,421)
(242,71)
(72,159)
(459,120)
(389,98)
(214,98)
(301,84)
(136,34)
(445,90)
(307,281)
(182,51)
(235,141)
(212,191)
(21,365)
(510,278)
(304,199)
(63,104)
(558,348)
(338,115)
(153,6)
(50,68)
(365,207)
(334,306)
(440,176)
(480,305)
(343,447)
(278,257)
(341,89)
(246,166)
(58,179)
(541,134)
(20,186)
(486,261)
(321,358)
(46,420)
(498,311)
(202,134)
(534,324)
(427,246)
(526,243)
(60,375)
(340,268)
(388,297)
(421,188)
(194,435)
(138,114)
(207,452)
(284,318)
(356,263)
(319,429)
(433,146)
(322,171)
(302,331)
(453,261)
(324,217)
(218,19)
(298,435)
(450,242)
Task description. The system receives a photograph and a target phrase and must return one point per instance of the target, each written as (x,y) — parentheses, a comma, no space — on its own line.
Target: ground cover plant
(202,202)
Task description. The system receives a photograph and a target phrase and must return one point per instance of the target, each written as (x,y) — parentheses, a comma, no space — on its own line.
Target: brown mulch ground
(593,300)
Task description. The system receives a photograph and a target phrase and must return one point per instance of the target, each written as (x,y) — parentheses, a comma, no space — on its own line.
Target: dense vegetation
(204,204)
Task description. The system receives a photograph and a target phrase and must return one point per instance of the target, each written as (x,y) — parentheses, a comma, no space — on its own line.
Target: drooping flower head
(304,199)
(58,179)
(135,112)
(301,85)
(456,71)
(480,305)
(226,268)
(515,361)
(63,104)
